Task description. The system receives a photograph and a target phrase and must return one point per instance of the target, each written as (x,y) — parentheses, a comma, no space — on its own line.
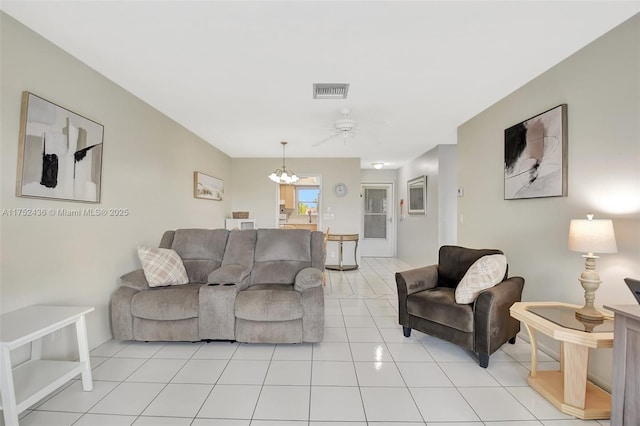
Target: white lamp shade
(592,236)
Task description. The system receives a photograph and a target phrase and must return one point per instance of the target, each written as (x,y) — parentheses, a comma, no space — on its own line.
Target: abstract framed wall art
(535,156)
(59,153)
(207,187)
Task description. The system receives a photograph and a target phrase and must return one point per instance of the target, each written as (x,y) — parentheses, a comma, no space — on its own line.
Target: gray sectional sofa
(258,286)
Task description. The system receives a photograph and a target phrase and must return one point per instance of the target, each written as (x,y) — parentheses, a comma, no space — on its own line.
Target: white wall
(420,236)
(381,175)
(148,165)
(447,194)
(600,84)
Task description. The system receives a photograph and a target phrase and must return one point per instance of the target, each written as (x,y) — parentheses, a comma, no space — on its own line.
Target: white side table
(32,380)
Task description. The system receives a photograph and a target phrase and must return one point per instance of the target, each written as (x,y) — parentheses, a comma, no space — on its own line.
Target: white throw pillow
(485,272)
(162,267)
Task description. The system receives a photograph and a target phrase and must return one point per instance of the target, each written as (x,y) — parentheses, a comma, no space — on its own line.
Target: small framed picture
(417,193)
(207,187)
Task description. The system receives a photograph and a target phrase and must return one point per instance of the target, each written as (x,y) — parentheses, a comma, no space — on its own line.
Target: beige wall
(600,84)
(255,193)
(148,167)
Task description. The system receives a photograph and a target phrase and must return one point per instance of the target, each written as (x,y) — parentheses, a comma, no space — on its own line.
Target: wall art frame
(535,156)
(59,153)
(417,195)
(207,187)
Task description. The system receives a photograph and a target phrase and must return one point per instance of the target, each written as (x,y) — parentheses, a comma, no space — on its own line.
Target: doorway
(299,204)
(378,220)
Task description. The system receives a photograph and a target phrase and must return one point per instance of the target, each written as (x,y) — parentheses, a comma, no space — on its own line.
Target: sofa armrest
(121,316)
(416,280)
(307,278)
(493,323)
(229,274)
(135,280)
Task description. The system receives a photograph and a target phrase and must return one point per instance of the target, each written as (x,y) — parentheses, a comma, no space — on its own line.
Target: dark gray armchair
(426,302)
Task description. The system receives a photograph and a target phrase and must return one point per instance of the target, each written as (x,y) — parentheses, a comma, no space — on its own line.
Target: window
(307,199)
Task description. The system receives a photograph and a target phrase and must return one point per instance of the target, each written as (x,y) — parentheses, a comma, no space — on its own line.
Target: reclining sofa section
(258,286)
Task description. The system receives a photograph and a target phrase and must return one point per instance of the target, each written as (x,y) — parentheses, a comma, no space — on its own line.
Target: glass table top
(565,316)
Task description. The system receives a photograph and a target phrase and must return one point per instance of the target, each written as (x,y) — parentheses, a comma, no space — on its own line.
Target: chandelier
(283,175)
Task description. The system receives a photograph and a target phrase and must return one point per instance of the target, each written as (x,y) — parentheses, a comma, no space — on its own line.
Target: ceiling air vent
(330,90)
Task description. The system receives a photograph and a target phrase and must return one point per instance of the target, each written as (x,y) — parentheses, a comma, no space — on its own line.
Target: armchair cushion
(162,267)
(438,305)
(485,273)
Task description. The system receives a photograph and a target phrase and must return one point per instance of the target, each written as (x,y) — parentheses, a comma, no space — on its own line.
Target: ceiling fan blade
(326,139)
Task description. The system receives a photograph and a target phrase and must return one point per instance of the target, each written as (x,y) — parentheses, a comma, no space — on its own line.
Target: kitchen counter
(310,226)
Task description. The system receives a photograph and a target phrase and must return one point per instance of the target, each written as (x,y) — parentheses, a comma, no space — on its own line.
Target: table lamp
(591,236)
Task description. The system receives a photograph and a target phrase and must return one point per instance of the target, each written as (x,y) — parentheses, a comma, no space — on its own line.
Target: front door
(377,236)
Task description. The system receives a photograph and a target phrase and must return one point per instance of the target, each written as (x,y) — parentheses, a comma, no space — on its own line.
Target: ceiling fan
(345,127)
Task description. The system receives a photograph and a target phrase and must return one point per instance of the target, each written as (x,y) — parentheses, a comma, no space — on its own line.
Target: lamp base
(589,313)
(590,281)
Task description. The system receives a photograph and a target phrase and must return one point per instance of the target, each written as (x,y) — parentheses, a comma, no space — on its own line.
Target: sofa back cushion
(454,261)
(201,251)
(280,254)
(241,247)
(317,250)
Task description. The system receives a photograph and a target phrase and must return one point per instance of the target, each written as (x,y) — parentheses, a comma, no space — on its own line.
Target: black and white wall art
(59,153)
(535,156)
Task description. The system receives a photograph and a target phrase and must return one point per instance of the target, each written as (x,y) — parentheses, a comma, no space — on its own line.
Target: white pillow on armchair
(485,272)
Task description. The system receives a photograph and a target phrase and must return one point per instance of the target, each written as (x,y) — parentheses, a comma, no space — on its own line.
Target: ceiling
(239,74)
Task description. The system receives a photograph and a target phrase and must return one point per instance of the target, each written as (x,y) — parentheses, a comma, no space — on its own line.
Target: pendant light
(283,175)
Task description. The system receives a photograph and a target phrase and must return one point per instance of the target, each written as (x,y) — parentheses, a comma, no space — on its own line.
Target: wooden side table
(568,389)
(31,381)
(340,239)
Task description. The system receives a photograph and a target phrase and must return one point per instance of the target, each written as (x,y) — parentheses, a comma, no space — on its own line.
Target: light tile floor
(365,372)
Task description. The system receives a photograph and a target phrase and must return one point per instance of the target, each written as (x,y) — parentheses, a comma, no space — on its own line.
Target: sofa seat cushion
(269,302)
(439,305)
(167,303)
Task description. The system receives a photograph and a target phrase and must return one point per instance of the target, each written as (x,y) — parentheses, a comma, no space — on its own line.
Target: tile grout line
(355,371)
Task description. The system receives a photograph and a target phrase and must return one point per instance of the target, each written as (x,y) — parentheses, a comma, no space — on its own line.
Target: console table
(27,383)
(626,365)
(340,239)
(567,389)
